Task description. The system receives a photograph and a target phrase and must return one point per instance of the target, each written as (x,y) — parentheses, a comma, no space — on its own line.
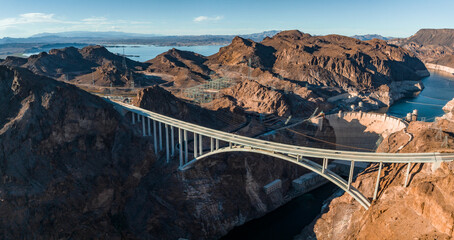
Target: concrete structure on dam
(360,131)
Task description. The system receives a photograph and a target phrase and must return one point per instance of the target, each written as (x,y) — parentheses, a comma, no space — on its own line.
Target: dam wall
(360,131)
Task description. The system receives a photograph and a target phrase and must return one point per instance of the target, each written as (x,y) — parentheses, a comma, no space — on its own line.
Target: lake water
(144,53)
(439,89)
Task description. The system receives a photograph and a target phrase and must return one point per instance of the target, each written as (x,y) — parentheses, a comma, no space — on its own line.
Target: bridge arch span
(303,162)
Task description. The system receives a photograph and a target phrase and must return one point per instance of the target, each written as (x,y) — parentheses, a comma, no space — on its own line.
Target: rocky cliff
(423,210)
(68,160)
(429,45)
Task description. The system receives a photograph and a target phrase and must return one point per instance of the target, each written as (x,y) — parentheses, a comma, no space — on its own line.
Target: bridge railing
(292,149)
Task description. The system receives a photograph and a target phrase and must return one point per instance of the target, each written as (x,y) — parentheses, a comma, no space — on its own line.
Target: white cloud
(28,24)
(94,20)
(207,19)
(27,18)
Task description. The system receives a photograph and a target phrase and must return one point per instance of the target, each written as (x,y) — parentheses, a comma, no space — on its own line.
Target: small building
(273,186)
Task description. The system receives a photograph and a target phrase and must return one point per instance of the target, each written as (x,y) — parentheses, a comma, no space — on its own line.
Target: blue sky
(398,18)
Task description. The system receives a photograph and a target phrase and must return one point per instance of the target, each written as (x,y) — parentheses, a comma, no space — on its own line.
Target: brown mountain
(186,68)
(77,65)
(429,44)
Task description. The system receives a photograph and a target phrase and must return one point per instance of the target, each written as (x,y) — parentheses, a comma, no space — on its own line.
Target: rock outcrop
(430,45)
(186,68)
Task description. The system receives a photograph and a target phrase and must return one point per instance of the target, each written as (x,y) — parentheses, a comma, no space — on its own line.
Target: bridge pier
(143,126)
(325,164)
(200,145)
(407,174)
(350,176)
(211,144)
(155,140)
(180,141)
(167,143)
(185,146)
(378,181)
(195,145)
(217,144)
(149,127)
(172,140)
(160,137)
(133,118)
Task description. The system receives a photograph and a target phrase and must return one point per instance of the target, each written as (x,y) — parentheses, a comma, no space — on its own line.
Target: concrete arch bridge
(165,131)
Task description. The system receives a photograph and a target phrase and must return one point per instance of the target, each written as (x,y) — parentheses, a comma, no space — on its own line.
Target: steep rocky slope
(77,65)
(429,44)
(446,60)
(186,68)
(66,160)
(423,210)
(159,100)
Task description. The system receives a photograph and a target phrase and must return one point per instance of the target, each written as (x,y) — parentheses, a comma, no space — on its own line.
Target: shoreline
(440,68)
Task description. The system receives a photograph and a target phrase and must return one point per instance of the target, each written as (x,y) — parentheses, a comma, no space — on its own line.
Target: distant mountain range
(46,41)
(130,38)
(370,37)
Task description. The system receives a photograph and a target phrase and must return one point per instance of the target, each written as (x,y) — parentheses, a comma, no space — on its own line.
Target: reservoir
(144,53)
(438,90)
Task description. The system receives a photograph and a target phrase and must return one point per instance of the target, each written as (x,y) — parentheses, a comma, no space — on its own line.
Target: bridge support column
(172,141)
(212,144)
(155,138)
(217,144)
(195,145)
(185,146)
(143,126)
(160,137)
(350,176)
(180,141)
(407,174)
(200,145)
(133,118)
(167,143)
(325,164)
(149,126)
(230,144)
(378,181)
